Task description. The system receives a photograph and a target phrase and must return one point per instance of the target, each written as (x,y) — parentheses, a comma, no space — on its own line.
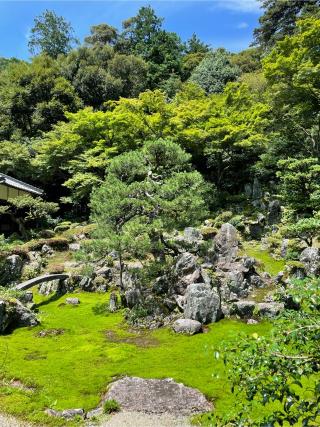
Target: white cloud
(238,5)
(242,25)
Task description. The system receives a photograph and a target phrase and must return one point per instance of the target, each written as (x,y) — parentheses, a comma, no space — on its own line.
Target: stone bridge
(40,279)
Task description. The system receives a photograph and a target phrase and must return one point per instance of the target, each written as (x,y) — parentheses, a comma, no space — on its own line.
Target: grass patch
(73,369)
(266,260)
(111,406)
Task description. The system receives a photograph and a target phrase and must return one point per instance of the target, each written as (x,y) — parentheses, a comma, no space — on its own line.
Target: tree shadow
(55,297)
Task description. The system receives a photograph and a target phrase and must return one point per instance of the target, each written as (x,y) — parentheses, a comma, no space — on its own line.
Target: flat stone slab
(40,279)
(157,396)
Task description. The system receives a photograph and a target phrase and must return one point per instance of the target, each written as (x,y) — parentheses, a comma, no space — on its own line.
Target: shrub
(237,222)
(223,218)
(63,226)
(111,406)
(58,243)
(56,269)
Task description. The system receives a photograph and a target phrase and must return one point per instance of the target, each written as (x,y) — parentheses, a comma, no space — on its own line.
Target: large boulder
(235,279)
(269,309)
(274,212)
(10,270)
(186,264)
(202,303)
(187,272)
(187,326)
(310,258)
(243,309)
(226,242)
(157,396)
(191,240)
(133,297)
(14,314)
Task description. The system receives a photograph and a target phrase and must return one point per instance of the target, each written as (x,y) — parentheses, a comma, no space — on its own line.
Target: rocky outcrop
(14,314)
(202,303)
(10,269)
(187,326)
(157,396)
(226,243)
(274,212)
(269,309)
(310,258)
(187,272)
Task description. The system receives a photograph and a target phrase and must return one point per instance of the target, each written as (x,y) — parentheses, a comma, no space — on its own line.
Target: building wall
(10,193)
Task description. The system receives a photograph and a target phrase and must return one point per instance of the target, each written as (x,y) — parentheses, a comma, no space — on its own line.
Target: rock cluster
(14,314)
(207,277)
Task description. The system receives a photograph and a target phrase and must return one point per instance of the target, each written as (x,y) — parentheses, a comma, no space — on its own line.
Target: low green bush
(111,406)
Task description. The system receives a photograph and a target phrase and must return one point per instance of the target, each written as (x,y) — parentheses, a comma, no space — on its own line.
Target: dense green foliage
(277,368)
(144,134)
(51,34)
(141,84)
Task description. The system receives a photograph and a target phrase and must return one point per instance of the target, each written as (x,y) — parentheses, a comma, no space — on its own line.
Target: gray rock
(113,303)
(74,247)
(72,301)
(192,234)
(97,412)
(310,258)
(47,250)
(48,288)
(244,309)
(274,212)
(10,270)
(157,396)
(269,309)
(85,283)
(187,326)
(256,230)
(256,189)
(133,297)
(284,247)
(226,242)
(160,285)
(256,281)
(105,272)
(186,264)
(67,414)
(202,303)
(252,322)
(14,314)
(183,282)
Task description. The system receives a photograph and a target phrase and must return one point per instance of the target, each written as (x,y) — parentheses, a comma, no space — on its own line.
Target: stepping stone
(157,396)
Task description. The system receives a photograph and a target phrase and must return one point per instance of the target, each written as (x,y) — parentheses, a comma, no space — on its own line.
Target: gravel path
(7,421)
(138,419)
(122,419)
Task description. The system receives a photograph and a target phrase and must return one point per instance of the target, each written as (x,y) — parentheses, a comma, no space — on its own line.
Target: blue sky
(227,23)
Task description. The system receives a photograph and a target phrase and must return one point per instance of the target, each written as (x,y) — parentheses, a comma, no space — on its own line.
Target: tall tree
(101,35)
(279,19)
(162,50)
(195,45)
(292,71)
(51,34)
(215,71)
(147,193)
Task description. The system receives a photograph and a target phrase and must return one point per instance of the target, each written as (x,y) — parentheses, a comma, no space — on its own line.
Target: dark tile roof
(19,185)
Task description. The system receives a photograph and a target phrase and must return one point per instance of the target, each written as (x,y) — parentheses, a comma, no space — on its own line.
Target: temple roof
(19,185)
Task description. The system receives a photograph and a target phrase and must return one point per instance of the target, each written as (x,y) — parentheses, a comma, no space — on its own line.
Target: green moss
(73,369)
(267,262)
